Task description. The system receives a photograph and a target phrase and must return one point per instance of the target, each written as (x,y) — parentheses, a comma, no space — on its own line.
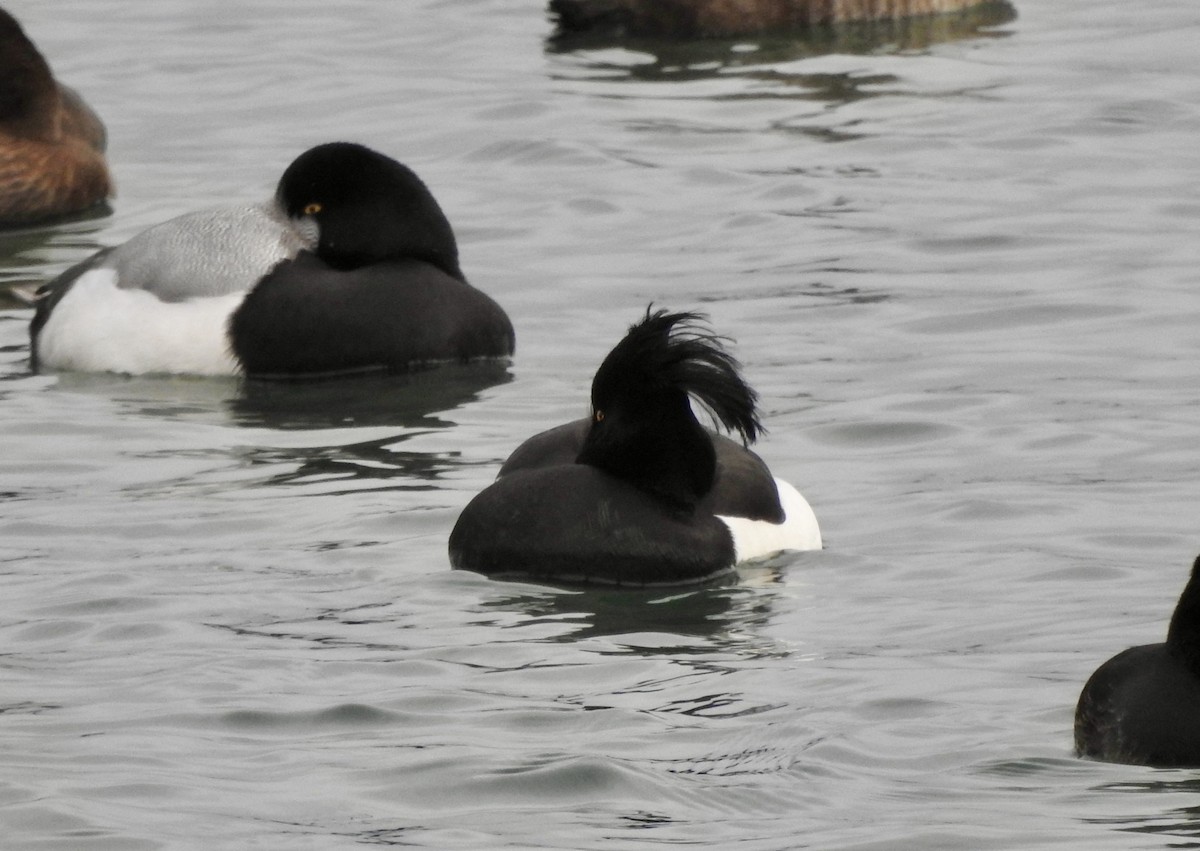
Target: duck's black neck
(660,448)
(1183,636)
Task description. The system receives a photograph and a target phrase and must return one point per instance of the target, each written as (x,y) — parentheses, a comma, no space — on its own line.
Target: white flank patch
(99,327)
(758,538)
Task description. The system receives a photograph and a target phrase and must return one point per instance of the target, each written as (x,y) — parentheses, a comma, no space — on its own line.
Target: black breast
(306,317)
(1141,707)
(575,524)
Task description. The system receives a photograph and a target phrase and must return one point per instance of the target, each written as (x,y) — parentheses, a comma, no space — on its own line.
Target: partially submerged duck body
(1142,706)
(51,143)
(639,494)
(732,18)
(351,267)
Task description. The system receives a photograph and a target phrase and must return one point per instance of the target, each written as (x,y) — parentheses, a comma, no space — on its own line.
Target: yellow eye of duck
(312,209)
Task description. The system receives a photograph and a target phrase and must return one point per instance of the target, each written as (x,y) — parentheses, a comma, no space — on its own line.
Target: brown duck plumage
(51,143)
(729,18)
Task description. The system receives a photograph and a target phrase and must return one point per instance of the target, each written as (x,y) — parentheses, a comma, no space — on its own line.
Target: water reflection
(1177,822)
(351,467)
(696,58)
(412,400)
(31,256)
(688,621)
(733,67)
(819,294)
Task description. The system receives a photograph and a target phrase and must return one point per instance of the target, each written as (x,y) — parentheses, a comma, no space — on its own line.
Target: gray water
(962,276)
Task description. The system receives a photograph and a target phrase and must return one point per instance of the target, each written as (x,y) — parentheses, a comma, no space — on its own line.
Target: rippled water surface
(962,275)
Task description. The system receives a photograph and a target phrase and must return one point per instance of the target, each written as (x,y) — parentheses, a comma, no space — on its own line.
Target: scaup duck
(639,493)
(351,267)
(731,18)
(1143,705)
(51,143)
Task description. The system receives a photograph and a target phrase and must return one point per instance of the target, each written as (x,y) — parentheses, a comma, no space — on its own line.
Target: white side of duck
(799,530)
(101,327)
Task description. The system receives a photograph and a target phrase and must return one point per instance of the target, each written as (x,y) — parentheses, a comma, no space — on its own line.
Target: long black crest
(677,351)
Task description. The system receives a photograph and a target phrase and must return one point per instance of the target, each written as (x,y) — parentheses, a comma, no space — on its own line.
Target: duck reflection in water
(704,38)
(421,400)
(726,613)
(410,400)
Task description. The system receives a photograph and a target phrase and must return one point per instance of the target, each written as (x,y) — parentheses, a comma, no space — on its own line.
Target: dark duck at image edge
(51,142)
(1142,706)
(687,19)
(639,493)
(351,267)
